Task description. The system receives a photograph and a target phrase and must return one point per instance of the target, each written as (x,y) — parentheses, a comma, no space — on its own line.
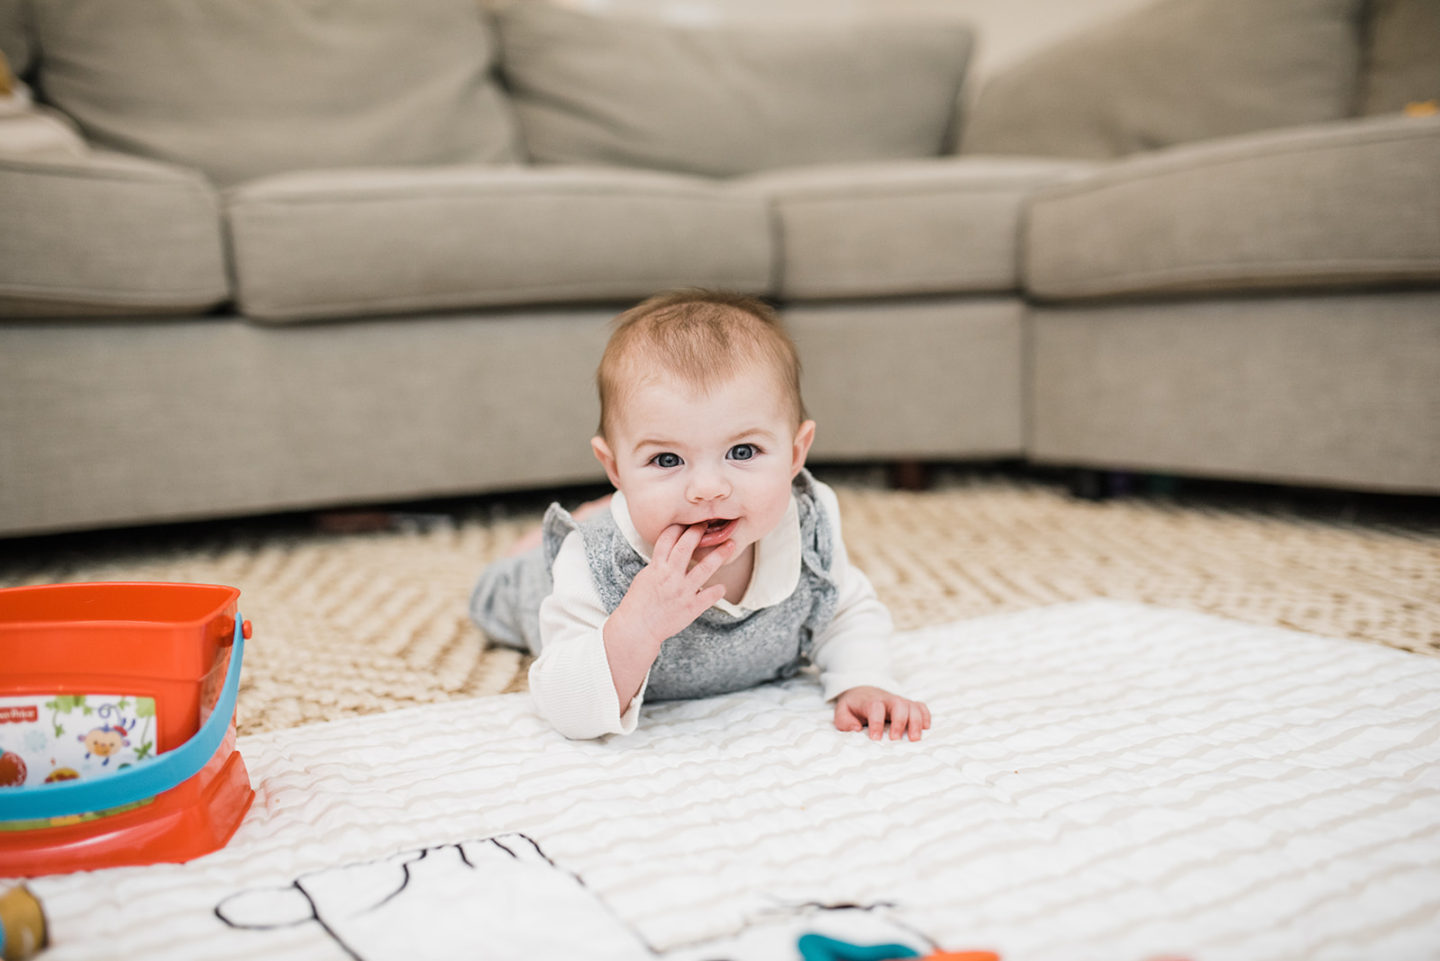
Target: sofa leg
(1088,485)
(909,475)
(1100,485)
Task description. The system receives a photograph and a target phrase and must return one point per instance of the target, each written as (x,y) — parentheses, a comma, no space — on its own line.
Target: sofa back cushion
(14,36)
(245,88)
(1402,56)
(1172,72)
(734,95)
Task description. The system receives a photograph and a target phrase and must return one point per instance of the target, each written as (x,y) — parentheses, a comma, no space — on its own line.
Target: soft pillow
(1173,72)
(244,88)
(1402,61)
(733,96)
(30,131)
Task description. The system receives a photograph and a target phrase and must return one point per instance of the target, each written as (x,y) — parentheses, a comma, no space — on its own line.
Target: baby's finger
(846,719)
(685,545)
(919,721)
(713,561)
(665,543)
(899,719)
(876,720)
(925,712)
(706,599)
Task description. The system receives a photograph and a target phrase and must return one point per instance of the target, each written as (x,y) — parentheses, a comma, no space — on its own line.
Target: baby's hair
(702,337)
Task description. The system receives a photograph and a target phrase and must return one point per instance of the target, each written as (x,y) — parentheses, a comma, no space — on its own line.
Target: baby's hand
(668,594)
(870,707)
(663,599)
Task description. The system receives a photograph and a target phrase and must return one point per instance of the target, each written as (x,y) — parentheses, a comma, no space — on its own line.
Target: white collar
(777,558)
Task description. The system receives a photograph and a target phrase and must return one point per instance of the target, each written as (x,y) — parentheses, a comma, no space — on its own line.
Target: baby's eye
(666,460)
(743,451)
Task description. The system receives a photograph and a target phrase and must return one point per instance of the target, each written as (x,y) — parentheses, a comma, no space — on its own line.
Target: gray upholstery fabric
(242,89)
(342,243)
(1174,72)
(106,234)
(902,227)
(916,377)
(209,417)
(1332,390)
(148,420)
(15,41)
(1339,204)
(1402,62)
(730,97)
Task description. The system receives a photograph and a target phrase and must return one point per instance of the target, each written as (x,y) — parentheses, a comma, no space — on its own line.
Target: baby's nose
(707,487)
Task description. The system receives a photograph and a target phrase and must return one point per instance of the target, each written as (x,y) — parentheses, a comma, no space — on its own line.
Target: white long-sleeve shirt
(570,681)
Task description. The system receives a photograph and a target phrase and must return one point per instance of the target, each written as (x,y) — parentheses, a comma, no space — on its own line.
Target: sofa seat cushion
(243,89)
(902,227)
(107,234)
(342,243)
(734,93)
(1351,203)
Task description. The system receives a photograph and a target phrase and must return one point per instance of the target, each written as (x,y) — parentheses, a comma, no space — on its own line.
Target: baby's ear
(606,458)
(804,437)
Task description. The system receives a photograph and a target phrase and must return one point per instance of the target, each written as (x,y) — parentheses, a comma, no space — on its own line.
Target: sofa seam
(502,192)
(182,178)
(1277,271)
(775,223)
(302,310)
(880,194)
(103,294)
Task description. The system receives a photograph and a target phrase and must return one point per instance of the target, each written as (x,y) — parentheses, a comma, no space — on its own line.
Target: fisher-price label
(46,738)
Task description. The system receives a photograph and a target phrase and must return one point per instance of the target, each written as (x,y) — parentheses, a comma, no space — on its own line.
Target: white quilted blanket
(1103,781)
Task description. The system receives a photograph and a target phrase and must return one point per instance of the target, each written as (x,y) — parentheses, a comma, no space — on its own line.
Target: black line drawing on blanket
(504,893)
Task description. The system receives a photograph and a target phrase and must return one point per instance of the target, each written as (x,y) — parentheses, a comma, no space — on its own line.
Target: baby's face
(723,457)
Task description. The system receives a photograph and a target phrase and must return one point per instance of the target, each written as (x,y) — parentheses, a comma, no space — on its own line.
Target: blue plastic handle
(138,783)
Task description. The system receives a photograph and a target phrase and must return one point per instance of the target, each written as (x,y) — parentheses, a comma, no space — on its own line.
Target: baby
(718,563)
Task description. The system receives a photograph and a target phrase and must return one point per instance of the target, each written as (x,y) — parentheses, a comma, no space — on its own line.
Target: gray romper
(716,654)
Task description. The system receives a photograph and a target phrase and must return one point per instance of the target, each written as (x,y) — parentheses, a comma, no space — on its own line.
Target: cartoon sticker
(45,738)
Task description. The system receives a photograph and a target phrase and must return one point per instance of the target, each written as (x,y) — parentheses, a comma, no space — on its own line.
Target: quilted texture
(1102,781)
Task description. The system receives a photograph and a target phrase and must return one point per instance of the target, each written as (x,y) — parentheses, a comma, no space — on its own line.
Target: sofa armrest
(106,233)
(1345,204)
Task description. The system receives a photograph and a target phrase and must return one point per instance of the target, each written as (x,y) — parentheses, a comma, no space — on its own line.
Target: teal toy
(817,947)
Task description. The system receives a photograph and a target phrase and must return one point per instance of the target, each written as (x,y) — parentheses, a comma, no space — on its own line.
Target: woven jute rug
(351,623)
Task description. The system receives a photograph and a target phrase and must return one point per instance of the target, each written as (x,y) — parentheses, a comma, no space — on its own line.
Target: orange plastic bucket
(117,733)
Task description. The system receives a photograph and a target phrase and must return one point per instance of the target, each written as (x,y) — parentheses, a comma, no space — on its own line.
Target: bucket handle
(143,781)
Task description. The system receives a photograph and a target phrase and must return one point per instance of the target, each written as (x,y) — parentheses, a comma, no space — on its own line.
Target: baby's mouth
(717,531)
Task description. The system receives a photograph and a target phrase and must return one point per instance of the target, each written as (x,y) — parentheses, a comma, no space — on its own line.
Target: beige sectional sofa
(306,254)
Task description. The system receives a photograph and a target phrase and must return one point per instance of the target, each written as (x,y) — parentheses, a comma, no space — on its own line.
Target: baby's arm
(570,681)
(852,651)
